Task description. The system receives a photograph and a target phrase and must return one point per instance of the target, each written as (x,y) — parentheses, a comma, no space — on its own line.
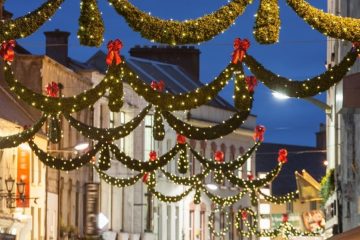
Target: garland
(182,101)
(304,88)
(57,105)
(224,201)
(180,32)
(16,139)
(159,128)
(61,163)
(225,166)
(187,181)
(328,24)
(118,182)
(212,230)
(107,134)
(26,25)
(267,24)
(289,197)
(141,166)
(91,25)
(169,199)
(219,130)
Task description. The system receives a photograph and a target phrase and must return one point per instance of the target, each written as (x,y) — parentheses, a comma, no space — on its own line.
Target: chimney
(186,57)
(57,45)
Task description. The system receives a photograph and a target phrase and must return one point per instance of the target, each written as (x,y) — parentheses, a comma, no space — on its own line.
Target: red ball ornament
(259,133)
(219,156)
(244,215)
(152,156)
(282,158)
(181,139)
(285,218)
(250,176)
(145,177)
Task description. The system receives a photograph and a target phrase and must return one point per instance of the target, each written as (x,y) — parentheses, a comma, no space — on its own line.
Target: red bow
(159,86)
(244,215)
(152,156)
(52,89)
(219,156)
(240,48)
(356,44)
(282,158)
(7,50)
(285,218)
(181,139)
(113,52)
(145,177)
(251,83)
(259,133)
(250,176)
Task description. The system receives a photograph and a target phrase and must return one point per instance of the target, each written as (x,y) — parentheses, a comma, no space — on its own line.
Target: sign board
(23,174)
(313,220)
(91,209)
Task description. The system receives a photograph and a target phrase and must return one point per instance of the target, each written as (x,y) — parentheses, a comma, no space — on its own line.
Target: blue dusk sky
(301,53)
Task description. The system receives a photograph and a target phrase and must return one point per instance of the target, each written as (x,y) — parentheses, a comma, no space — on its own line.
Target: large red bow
(7,50)
(52,89)
(282,158)
(251,83)
(181,139)
(240,48)
(114,48)
(244,215)
(219,156)
(259,133)
(158,86)
(152,156)
(285,218)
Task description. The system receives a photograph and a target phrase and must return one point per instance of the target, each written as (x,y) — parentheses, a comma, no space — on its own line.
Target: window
(169,221)
(111,119)
(191,227)
(202,222)
(148,138)
(39,224)
(160,222)
(122,140)
(313,205)
(177,222)
(33,167)
(289,207)
(39,168)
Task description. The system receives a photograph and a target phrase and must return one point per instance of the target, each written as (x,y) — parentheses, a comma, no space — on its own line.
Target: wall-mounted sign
(91,209)
(313,220)
(23,174)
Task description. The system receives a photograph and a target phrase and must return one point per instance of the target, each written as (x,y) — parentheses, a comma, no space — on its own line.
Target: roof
(299,157)
(175,78)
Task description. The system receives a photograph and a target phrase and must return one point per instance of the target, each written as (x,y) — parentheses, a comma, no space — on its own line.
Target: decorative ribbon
(114,48)
(285,218)
(158,86)
(259,133)
(181,139)
(240,48)
(152,156)
(250,176)
(244,215)
(219,156)
(145,177)
(7,50)
(52,89)
(251,83)
(282,158)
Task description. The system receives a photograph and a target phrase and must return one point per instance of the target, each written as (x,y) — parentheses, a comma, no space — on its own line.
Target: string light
(267,23)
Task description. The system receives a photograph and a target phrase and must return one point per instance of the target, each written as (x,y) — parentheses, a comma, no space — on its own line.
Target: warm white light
(102,220)
(326,163)
(280,96)
(265,223)
(264,208)
(24,147)
(211,186)
(81,146)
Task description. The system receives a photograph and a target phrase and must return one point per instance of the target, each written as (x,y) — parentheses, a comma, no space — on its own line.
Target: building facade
(343,207)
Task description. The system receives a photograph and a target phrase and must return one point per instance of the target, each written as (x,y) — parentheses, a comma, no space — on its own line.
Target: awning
(352,234)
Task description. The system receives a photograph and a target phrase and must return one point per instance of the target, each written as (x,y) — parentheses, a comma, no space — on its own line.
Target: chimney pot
(57,45)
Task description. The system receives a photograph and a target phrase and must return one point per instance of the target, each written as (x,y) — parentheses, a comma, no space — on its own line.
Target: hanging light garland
(267,23)
(118,182)
(211,224)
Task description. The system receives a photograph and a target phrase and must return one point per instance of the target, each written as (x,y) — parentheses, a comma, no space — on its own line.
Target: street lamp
(9,183)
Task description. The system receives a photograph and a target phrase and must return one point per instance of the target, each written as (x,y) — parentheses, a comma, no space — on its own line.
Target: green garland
(104,158)
(91,25)
(216,131)
(211,223)
(224,201)
(54,130)
(169,199)
(116,96)
(182,101)
(256,183)
(159,128)
(289,197)
(177,32)
(108,134)
(304,88)
(118,182)
(187,181)
(328,24)
(64,104)
(140,166)
(61,163)
(225,166)
(16,139)
(26,25)
(267,24)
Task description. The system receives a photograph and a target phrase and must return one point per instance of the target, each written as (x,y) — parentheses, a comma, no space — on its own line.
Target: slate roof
(175,78)
(299,157)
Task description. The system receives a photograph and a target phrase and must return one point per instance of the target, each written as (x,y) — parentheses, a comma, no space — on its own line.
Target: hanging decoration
(180,32)
(259,133)
(113,56)
(159,128)
(91,25)
(118,182)
(251,83)
(267,24)
(52,89)
(104,159)
(7,50)
(282,158)
(211,224)
(240,48)
(54,130)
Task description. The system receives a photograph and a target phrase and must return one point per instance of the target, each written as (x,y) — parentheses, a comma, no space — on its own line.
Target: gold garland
(180,32)
(267,24)
(328,24)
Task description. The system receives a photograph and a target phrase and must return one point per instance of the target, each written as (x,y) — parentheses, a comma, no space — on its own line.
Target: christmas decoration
(7,50)
(219,156)
(283,156)
(113,55)
(158,86)
(240,48)
(180,139)
(259,133)
(251,83)
(52,89)
(267,24)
